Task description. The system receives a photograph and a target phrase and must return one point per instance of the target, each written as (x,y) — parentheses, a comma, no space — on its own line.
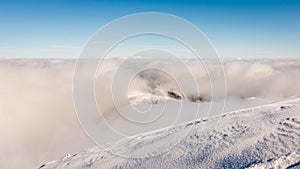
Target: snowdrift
(260,137)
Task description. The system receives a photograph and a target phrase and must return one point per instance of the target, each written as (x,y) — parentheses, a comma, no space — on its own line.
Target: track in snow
(257,137)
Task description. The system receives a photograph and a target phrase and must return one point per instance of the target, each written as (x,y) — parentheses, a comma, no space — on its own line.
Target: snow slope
(260,137)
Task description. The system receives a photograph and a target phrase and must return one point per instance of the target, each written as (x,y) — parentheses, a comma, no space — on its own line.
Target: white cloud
(56,51)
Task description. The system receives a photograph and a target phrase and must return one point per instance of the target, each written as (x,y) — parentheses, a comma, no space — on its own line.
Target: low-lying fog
(38,121)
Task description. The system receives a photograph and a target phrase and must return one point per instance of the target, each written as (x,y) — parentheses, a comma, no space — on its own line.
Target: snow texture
(266,136)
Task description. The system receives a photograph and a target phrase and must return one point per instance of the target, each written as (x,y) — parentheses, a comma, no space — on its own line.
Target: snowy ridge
(258,137)
(147,98)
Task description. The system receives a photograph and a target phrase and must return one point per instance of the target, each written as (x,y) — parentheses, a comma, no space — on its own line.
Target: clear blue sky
(237,28)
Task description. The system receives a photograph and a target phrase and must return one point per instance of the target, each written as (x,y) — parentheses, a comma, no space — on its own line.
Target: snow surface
(266,136)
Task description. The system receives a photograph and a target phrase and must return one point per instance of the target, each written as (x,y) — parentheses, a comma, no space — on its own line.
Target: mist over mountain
(40,124)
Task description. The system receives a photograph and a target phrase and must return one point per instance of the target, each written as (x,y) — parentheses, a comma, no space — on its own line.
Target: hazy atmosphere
(39,121)
(149,84)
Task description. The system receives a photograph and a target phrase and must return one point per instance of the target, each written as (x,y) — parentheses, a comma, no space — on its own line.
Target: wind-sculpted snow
(257,137)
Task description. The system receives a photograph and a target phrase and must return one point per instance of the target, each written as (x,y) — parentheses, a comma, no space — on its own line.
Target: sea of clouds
(38,121)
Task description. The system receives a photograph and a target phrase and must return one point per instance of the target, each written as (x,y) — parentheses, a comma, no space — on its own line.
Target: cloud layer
(38,121)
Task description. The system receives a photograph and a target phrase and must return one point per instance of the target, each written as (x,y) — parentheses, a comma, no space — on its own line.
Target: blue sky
(57,28)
